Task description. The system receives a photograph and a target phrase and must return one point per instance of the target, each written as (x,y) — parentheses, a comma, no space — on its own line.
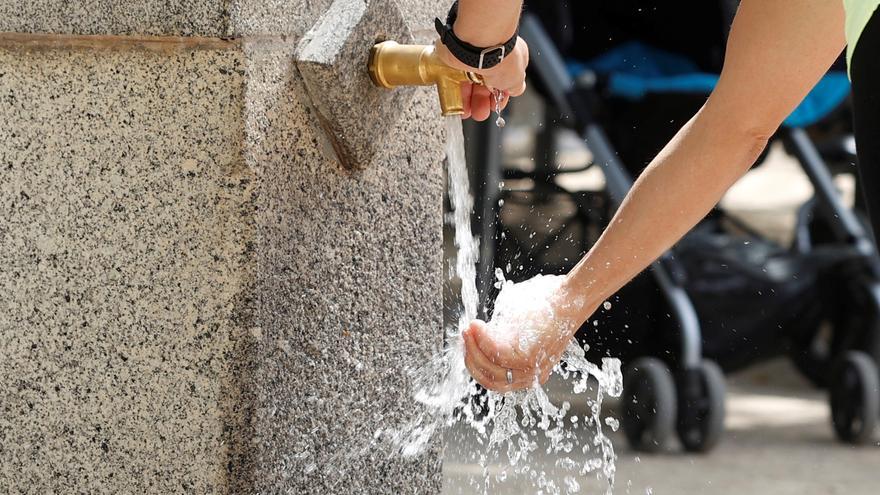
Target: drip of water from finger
(498,96)
(507,425)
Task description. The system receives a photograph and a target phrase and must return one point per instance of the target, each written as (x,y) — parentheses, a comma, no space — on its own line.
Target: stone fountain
(218,243)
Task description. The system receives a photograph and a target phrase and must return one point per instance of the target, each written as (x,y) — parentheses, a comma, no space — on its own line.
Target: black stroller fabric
(754,298)
(695,29)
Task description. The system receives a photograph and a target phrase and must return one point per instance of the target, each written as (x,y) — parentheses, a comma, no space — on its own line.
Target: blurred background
(750,348)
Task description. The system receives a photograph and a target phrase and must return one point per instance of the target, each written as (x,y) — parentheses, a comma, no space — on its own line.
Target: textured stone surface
(349,273)
(161,17)
(273,17)
(198,297)
(94,17)
(127,216)
(332,61)
(208,18)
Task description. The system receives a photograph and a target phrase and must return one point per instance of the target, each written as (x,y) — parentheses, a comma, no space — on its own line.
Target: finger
(494,372)
(505,357)
(480,360)
(467,89)
(478,374)
(489,383)
(519,90)
(480,103)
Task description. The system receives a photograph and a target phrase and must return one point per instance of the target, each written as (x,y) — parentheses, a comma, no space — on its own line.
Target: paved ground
(778,441)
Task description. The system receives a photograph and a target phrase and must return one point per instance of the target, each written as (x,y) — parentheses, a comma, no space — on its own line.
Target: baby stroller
(675,324)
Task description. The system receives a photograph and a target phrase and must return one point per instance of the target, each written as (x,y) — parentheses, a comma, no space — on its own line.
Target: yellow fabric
(858,12)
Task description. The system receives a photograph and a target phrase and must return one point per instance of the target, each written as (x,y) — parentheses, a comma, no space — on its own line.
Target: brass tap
(392,64)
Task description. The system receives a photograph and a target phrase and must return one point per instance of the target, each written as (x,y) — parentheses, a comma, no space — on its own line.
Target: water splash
(507,424)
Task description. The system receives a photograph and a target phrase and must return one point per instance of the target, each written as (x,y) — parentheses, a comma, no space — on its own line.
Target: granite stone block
(333,62)
(274,17)
(198,297)
(350,282)
(127,220)
(205,18)
(109,17)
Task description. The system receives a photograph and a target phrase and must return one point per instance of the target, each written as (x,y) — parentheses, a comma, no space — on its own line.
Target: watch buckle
(490,50)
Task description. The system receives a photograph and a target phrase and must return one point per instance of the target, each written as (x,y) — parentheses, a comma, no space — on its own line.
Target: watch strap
(470,55)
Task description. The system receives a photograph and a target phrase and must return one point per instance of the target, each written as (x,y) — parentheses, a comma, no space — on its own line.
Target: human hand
(509,77)
(528,341)
(488,358)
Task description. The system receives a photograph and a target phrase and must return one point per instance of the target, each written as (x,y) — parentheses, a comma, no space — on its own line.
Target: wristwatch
(474,56)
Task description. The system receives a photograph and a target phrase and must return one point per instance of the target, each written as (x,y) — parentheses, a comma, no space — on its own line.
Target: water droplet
(613,423)
(606,305)
(498,97)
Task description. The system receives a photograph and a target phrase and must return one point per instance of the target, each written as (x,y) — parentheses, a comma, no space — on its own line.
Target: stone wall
(198,296)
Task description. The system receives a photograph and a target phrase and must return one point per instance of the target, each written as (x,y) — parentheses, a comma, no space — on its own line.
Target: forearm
(773,59)
(675,192)
(487,22)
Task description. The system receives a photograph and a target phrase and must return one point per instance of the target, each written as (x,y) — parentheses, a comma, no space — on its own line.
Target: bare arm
(777,51)
(487,22)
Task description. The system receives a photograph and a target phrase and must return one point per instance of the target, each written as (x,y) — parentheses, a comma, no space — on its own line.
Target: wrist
(478,40)
(475,34)
(585,292)
(487,23)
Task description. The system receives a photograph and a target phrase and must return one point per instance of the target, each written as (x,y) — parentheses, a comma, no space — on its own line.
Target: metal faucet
(392,64)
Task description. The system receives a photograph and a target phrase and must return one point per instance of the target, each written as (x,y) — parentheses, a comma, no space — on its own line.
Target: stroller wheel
(701,418)
(649,406)
(855,397)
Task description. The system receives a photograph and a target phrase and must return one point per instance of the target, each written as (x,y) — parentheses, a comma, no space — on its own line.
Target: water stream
(508,426)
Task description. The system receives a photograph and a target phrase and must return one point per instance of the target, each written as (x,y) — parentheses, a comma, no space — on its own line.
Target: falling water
(507,424)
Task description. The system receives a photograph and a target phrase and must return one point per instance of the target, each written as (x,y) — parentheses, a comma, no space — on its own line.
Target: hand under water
(531,353)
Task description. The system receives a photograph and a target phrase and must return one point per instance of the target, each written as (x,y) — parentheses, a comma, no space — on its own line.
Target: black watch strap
(474,56)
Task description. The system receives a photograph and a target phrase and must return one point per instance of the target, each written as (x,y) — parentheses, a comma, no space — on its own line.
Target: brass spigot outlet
(392,64)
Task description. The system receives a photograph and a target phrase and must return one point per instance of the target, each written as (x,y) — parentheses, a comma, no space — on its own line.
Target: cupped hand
(488,357)
(509,77)
(533,324)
